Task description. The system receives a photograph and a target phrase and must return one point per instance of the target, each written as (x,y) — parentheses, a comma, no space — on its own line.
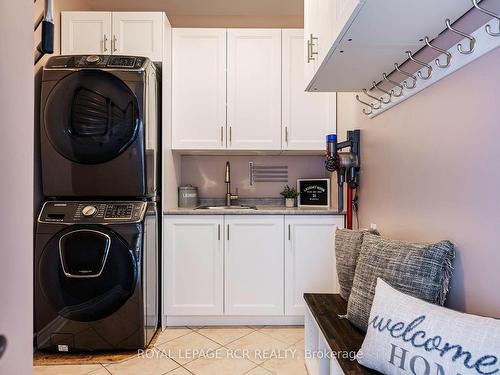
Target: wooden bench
(330,342)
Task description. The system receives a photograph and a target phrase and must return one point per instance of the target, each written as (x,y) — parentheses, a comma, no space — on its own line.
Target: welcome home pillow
(409,336)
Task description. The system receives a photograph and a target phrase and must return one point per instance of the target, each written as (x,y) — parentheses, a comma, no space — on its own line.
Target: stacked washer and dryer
(97,236)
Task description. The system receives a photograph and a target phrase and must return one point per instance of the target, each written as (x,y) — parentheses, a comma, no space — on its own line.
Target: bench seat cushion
(341,336)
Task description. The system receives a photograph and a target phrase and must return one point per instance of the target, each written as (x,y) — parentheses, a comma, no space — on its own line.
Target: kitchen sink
(232,207)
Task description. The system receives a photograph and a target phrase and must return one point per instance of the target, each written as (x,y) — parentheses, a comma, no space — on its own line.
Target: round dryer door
(87,272)
(91,116)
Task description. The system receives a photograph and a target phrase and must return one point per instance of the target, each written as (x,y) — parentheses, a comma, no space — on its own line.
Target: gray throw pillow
(419,270)
(347,248)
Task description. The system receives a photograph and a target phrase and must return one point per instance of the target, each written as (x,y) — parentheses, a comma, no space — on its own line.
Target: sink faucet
(227,180)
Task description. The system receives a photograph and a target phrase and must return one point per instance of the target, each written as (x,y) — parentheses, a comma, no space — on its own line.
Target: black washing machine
(96,280)
(99,134)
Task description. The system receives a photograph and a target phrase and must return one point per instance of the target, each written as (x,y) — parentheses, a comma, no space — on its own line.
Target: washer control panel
(92,212)
(119,211)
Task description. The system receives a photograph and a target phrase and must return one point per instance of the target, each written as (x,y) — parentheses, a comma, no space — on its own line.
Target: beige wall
(16,185)
(431,171)
(216,13)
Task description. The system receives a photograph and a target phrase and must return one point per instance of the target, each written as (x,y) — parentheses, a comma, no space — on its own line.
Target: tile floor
(206,350)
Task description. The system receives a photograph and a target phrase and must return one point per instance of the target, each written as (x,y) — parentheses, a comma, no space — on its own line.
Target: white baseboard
(173,321)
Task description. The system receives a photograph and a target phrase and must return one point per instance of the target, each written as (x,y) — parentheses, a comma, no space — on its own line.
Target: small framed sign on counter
(313,192)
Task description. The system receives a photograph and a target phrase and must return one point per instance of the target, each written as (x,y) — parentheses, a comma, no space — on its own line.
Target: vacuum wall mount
(347,165)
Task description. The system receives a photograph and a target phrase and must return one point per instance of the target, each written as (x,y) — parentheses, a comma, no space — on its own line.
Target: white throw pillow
(409,336)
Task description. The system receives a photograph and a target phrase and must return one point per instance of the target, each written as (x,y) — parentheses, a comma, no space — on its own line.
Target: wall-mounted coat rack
(434,61)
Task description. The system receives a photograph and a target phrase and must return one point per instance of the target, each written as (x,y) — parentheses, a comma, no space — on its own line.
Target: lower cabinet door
(309,258)
(193,265)
(254,282)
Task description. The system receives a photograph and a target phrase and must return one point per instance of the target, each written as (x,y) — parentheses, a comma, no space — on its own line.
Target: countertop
(261,210)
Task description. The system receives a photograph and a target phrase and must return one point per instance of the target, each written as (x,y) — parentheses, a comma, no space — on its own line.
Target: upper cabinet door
(319,29)
(85,33)
(306,117)
(199,89)
(254,89)
(139,34)
(311,31)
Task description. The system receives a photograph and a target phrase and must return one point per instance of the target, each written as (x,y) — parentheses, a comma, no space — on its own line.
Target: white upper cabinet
(254,272)
(254,89)
(138,33)
(199,89)
(318,33)
(193,265)
(323,22)
(306,117)
(310,265)
(243,89)
(120,33)
(356,41)
(85,32)
(311,25)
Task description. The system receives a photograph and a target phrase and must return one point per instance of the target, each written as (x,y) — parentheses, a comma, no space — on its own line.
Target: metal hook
(489,13)
(429,68)
(390,93)
(367,104)
(448,55)
(472,40)
(405,84)
(379,100)
(395,84)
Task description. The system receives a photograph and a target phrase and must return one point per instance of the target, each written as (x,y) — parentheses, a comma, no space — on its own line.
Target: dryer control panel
(96,61)
(98,212)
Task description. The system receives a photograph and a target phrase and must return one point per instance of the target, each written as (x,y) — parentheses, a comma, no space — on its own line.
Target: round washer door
(87,272)
(91,116)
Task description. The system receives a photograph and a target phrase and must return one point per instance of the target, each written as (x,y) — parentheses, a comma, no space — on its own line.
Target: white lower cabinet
(193,265)
(235,266)
(309,258)
(254,265)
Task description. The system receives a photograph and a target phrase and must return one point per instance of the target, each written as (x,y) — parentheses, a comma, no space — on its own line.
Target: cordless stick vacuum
(47,43)
(347,165)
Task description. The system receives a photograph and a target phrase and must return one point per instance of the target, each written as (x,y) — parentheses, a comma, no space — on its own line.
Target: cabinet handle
(222,135)
(218,232)
(228,232)
(105,43)
(286,134)
(289,233)
(311,51)
(113,44)
(230,134)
